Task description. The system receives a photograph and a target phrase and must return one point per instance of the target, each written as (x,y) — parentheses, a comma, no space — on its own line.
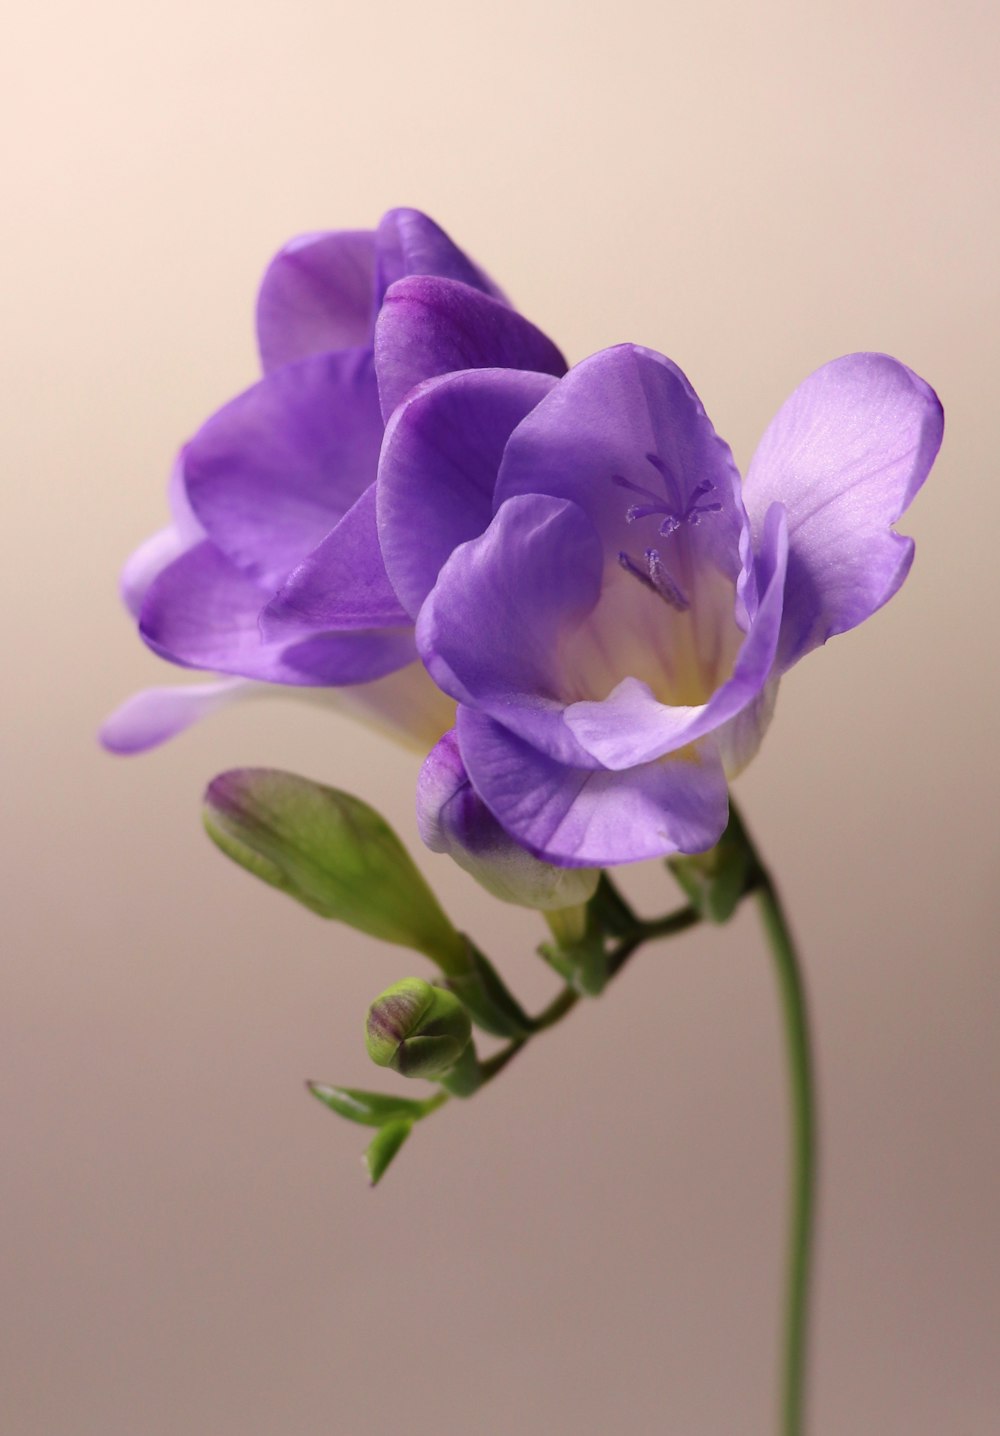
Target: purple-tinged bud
(417,1029)
(453,819)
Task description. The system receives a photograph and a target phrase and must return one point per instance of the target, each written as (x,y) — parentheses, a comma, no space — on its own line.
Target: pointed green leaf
(371,1109)
(384,1146)
(331,852)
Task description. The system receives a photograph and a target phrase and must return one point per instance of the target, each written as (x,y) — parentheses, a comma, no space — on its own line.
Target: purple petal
(404,705)
(153,556)
(202,612)
(151,717)
(593,817)
(624,436)
(317,295)
(845,455)
(453,819)
(631,726)
(429,326)
(342,584)
(409,242)
(273,471)
(491,631)
(147,562)
(439,465)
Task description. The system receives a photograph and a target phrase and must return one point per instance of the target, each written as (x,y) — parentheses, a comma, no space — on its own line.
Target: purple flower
(453,819)
(610,608)
(270,571)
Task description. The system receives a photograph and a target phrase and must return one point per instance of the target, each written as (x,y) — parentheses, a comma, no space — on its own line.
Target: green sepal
(383,1147)
(716,881)
(612,911)
(578,953)
(370,1109)
(490,1003)
(466,1076)
(332,853)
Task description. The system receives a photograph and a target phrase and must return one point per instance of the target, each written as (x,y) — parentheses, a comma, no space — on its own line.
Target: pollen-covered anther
(656,577)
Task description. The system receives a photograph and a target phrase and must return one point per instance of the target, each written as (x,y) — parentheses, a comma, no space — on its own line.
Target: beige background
(594,1245)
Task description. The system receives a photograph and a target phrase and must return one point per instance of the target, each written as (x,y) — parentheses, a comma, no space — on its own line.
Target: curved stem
(803,1185)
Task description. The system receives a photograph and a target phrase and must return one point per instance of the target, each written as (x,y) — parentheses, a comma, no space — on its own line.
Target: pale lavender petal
(429,326)
(453,819)
(845,455)
(409,242)
(155,715)
(147,562)
(739,740)
(342,584)
(631,726)
(593,817)
(438,469)
(490,633)
(153,556)
(317,294)
(273,471)
(404,705)
(202,612)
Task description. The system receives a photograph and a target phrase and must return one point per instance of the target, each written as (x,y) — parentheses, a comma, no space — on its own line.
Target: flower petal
(153,556)
(625,436)
(630,726)
(342,584)
(146,562)
(439,465)
(405,705)
(273,471)
(845,455)
(453,819)
(409,242)
(317,294)
(202,612)
(593,817)
(491,631)
(429,326)
(151,717)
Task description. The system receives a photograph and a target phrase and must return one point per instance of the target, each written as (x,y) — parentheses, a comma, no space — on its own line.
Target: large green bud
(417,1029)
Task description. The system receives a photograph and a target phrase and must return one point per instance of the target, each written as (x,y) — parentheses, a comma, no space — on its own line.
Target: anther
(656,578)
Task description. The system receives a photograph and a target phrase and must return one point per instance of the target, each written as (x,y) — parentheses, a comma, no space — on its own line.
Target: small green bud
(417,1029)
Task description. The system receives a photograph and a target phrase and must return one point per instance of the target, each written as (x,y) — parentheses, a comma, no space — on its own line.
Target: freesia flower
(453,819)
(270,571)
(611,609)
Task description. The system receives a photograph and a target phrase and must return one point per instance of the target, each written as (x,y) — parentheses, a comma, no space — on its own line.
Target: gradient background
(594,1245)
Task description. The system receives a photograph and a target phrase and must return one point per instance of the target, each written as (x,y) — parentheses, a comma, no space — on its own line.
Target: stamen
(665,586)
(692,512)
(656,578)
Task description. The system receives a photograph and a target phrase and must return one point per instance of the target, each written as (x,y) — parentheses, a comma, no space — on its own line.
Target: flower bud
(332,853)
(453,819)
(417,1029)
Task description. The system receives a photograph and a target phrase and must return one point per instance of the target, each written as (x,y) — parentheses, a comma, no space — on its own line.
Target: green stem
(567,999)
(803,1177)
(667,926)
